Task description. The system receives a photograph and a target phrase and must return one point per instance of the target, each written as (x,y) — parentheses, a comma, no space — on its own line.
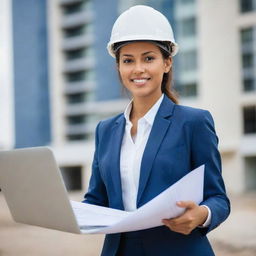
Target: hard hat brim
(112,51)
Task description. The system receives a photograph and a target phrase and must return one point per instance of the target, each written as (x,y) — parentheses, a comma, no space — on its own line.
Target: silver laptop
(34,190)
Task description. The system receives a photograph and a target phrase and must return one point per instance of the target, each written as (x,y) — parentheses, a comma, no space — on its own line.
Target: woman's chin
(145,94)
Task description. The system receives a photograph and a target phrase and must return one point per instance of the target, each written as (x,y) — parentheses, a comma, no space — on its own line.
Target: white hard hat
(142,23)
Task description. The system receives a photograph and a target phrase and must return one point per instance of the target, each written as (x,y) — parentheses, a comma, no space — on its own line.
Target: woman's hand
(193,217)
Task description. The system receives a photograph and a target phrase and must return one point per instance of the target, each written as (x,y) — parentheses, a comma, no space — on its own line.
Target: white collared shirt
(132,150)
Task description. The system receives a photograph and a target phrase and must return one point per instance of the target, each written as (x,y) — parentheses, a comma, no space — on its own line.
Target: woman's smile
(139,81)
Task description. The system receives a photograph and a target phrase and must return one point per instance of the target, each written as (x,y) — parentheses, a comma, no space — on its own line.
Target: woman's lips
(140,81)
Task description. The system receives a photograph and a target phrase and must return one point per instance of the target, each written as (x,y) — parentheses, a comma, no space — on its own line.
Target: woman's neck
(141,106)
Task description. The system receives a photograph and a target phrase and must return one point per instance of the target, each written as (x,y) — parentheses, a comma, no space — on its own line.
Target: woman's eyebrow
(145,53)
(127,55)
(130,55)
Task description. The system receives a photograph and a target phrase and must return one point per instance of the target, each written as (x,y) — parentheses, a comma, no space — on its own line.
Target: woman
(154,143)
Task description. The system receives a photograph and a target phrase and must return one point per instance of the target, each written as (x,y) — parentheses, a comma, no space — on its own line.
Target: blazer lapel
(157,134)
(117,136)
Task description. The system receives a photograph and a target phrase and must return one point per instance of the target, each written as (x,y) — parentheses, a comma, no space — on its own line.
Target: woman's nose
(139,67)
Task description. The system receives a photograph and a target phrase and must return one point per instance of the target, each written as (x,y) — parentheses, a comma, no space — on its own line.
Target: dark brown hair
(166,86)
(167,81)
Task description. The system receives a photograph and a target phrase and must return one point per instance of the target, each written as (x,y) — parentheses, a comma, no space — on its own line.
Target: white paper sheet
(94,215)
(97,219)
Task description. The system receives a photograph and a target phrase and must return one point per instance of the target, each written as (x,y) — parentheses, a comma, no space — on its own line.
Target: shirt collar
(128,111)
(149,116)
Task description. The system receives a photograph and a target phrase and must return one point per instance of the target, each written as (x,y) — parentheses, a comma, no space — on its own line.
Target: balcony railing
(77,19)
(79,64)
(77,42)
(78,87)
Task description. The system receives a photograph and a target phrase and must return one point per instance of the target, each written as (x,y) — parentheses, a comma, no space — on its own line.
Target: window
(76,98)
(247,5)
(76,76)
(187,90)
(77,119)
(249,116)
(74,7)
(77,137)
(249,84)
(75,54)
(74,31)
(247,35)
(188,60)
(250,173)
(248,60)
(72,177)
(188,27)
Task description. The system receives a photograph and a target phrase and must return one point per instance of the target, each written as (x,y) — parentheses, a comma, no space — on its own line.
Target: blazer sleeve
(205,151)
(96,193)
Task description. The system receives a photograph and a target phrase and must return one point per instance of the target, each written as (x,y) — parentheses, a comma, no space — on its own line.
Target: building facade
(218,61)
(214,69)
(7,136)
(84,85)
(247,101)
(30,73)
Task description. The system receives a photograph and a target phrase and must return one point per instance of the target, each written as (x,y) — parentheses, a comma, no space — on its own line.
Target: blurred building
(84,84)
(217,72)
(24,74)
(7,137)
(78,85)
(214,70)
(30,73)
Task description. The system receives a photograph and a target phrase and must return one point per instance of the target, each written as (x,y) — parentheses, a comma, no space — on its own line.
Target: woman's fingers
(183,229)
(189,220)
(187,204)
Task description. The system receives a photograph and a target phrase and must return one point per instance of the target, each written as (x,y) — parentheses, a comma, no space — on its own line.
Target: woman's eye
(149,58)
(127,61)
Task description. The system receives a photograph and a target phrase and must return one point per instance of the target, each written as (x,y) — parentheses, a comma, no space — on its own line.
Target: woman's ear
(167,64)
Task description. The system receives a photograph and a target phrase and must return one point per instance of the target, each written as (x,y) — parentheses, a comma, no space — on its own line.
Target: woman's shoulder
(190,110)
(193,114)
(109,122)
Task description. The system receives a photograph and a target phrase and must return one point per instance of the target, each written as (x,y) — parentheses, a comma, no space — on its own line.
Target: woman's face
(141,67)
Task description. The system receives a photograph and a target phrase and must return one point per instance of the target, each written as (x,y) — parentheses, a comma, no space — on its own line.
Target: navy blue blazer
(182,138)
